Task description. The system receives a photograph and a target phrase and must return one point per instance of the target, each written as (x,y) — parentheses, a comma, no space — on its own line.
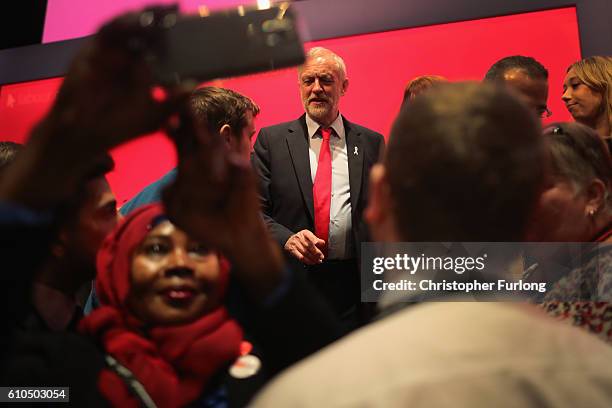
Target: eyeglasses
(544,113)
(554,130)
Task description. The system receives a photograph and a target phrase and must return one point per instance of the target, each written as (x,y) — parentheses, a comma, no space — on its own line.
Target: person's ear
(58,251)
(226,134)
(58,247)
(345,85)
(596,196)
(378,213)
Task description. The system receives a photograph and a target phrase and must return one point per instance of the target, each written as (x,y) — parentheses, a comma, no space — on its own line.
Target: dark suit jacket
(282,161)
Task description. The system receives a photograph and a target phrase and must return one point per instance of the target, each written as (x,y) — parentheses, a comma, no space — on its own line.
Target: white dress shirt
(340,245)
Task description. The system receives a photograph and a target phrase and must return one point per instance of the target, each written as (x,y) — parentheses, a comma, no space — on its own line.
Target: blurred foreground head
(465,163)
(416,86)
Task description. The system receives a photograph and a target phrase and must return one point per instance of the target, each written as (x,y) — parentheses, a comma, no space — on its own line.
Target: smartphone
(223,44)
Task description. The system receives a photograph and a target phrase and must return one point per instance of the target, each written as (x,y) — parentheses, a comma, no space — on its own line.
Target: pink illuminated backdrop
(378,64)
(67,19)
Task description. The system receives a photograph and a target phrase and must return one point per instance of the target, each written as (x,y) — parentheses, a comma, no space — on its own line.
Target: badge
(247,365)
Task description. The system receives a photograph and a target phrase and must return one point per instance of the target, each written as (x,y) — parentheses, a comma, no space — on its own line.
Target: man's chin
(318,115)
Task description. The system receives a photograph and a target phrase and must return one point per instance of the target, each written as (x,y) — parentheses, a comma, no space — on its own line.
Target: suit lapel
(297,141)
(355,153)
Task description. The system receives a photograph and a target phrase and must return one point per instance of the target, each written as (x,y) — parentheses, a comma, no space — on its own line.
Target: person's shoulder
(362,129)
(241,381)
(341,373)
(149,194)
(599,260)
(273,135)
(591,280)
(281,128)
(407,353)
(44,358)
(601,267)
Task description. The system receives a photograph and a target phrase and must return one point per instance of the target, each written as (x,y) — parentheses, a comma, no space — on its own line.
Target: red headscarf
(173,363)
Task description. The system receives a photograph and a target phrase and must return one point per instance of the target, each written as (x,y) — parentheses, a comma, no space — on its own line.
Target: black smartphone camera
(222,44)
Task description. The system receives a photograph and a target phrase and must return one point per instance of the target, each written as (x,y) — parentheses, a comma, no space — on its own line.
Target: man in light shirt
(445,178)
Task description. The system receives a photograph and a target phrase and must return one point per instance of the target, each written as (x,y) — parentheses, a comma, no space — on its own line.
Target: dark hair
(532,68)
(8,152)
(464,163)
(68,212)
(219,106)
(578,154)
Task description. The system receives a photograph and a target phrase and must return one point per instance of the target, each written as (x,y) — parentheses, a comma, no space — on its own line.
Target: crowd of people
(234,279)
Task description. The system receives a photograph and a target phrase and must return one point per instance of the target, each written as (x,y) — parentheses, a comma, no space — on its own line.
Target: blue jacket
(150,194)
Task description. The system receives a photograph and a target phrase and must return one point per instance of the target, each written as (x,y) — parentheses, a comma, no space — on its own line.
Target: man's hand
(306,247)
(105,99)
(215,200)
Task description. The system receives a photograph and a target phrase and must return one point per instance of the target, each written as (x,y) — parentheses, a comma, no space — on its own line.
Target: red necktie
(321,189)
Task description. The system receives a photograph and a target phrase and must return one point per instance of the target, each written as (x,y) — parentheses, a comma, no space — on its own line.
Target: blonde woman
(587,93)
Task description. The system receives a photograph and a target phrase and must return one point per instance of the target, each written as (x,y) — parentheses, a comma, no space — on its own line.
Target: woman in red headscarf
(161,317)
(168,337)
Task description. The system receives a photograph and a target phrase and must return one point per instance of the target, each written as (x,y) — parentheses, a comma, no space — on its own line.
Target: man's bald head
(525,76)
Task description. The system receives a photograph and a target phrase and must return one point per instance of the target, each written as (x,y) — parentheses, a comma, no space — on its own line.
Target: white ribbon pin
(356,152)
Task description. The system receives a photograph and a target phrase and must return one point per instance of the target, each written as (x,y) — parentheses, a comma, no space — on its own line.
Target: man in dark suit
(313,181)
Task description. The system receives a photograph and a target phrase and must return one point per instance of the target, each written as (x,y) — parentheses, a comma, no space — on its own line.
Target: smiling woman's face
(174,280)
(583,103)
